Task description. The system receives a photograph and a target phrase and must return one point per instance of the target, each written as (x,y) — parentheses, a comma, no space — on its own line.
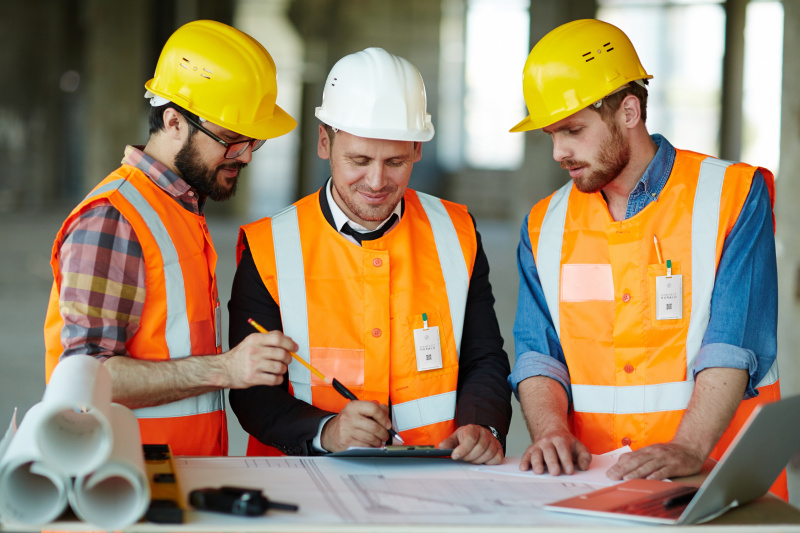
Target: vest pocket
(346,365)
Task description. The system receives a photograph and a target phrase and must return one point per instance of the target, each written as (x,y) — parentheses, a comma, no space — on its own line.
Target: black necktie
(369,235)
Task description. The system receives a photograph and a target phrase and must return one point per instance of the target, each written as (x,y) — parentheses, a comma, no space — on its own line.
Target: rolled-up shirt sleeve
(537,347)
(742,328)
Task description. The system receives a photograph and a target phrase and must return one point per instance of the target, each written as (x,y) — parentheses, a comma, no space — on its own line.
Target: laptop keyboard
(668,503)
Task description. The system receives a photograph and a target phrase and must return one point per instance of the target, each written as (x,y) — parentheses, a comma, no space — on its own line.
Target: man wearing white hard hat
(134,264)
(384,288)
(647,310)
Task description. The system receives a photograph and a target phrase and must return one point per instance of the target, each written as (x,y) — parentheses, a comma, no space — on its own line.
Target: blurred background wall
(71,98)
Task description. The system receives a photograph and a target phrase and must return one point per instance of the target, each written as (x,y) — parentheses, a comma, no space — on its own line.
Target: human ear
(323,143)
(631,109)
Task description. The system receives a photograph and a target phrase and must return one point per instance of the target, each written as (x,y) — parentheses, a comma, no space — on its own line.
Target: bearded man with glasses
(134,264)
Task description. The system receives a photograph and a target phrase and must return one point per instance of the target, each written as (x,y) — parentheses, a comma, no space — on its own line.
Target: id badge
(218,324)
(669,297)
(428,348)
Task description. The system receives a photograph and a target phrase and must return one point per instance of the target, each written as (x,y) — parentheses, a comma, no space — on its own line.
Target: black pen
(344,391)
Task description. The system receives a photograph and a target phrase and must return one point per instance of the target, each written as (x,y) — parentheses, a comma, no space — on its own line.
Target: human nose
(376,176)
(560,149)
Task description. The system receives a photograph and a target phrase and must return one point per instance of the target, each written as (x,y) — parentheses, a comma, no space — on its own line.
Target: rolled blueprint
(117,494)
(75,434)
(31,492)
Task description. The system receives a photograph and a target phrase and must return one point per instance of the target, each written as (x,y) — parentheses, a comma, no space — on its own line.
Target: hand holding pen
(357,424)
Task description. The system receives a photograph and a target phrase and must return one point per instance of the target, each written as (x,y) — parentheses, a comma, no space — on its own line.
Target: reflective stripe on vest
(196,405)
(423,411)
(292,288)
(177,336)
(705,225)
(451,259)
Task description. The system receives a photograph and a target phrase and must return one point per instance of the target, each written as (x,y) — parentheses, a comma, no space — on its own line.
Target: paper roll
(75,435)
(117,494)
(31,492)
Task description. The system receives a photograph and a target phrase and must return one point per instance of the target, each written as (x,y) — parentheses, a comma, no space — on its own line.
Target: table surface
(283,480)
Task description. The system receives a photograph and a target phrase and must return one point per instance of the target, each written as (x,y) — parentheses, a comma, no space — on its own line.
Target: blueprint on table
(383,491)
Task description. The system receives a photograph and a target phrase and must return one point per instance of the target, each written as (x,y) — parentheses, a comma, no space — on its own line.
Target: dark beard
(202,178)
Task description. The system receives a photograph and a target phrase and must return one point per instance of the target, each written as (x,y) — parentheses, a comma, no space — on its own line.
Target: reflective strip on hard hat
(424,411)
(177,333)
(196,405)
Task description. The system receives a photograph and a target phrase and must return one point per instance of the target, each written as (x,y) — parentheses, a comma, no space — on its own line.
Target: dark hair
(612,102)
(157,117)
(331,135)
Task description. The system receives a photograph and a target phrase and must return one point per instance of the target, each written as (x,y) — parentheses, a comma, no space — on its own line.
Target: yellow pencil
(658,250)
(299,359)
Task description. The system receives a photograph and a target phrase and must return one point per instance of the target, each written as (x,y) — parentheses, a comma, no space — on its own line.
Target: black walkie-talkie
(240,501)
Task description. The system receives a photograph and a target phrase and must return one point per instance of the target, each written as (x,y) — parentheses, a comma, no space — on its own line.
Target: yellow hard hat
(574,66)
(224,76)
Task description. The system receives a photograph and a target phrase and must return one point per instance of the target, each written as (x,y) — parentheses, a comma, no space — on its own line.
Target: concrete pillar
(733,81)
(786,210)
(116,68)
(37,48)
(540,175)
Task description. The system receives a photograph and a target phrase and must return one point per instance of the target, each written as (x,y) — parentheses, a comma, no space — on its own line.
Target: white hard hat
(377,95)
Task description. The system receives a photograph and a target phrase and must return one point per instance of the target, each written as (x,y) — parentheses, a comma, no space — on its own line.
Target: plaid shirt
(102,268)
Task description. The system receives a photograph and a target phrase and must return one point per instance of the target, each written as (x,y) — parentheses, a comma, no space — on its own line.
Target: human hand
(556,452)
(360,423)
(658,461)
(260,359)
(474,444)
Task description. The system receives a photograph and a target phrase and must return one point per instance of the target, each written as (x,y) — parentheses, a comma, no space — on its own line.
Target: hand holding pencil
(360,423)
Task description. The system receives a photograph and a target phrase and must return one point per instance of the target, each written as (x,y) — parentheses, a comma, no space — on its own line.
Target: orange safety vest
(353,309)
(178,318)
(631,374)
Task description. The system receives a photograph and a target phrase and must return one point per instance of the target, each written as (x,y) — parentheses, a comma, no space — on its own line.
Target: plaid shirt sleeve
(103,283)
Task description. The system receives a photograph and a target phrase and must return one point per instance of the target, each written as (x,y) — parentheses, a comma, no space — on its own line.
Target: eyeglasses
(233,150)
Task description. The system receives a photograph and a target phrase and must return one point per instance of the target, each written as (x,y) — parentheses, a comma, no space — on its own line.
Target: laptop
(750,465)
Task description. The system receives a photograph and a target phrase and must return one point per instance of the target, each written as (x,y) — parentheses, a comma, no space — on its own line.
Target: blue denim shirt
(742,330)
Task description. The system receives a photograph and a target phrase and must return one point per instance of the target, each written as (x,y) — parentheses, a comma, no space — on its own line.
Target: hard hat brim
(279,124)
(525,125)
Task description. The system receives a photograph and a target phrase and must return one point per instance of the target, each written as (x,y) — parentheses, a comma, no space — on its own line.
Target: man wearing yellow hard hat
(134,265)
(384,288)
(647,309)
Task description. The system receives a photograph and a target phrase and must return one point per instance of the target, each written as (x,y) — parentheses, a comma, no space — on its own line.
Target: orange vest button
(377,262)
(376,332)
(626,441)
(628,368)
(626,297)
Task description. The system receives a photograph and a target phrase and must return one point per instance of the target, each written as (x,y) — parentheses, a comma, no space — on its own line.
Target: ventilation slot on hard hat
(205,75)
(591,54)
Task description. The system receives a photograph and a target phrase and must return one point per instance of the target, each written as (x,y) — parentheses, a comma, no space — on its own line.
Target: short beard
(369,213)
(202,178)
(614,156)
